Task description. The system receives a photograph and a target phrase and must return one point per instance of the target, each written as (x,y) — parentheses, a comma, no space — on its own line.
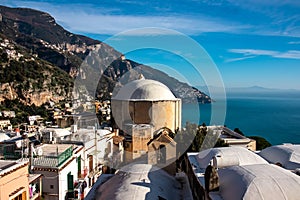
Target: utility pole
(96,148)
(30,154)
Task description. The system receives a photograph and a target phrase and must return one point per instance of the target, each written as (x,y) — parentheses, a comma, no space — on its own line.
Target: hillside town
(136,155)
(79,120)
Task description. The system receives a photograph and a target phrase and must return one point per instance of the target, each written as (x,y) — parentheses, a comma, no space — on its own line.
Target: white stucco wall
(63,181)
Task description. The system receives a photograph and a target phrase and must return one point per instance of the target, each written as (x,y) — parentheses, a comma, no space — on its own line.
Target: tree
(261,143)
(221,143)
(237,130)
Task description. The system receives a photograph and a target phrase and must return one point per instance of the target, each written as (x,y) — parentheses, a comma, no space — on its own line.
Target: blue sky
(252,42)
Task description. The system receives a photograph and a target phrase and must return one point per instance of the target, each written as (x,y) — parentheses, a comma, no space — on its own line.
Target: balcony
(35,186)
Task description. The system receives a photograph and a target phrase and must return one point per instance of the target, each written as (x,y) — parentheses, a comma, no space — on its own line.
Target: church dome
(144,89)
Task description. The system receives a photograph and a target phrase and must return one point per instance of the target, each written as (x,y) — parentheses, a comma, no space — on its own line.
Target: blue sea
(274,116)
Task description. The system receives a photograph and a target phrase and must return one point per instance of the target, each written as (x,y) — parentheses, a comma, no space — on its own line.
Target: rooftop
(53,149)
(244,175)
(226,156)
(264,181)
(140,181)
(146,90)
(287,155)
(54,155)
(34,177)
(7,166)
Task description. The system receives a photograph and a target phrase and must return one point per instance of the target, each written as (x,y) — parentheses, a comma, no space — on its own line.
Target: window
(90,157)
(70,182)
(161,157)
(19,197)
(79,166)
(142,134)
(51,186)
(126,145)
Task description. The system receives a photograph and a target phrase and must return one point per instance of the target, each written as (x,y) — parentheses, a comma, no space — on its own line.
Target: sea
(274,116)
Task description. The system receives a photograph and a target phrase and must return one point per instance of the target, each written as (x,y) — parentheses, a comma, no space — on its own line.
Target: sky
(251,42)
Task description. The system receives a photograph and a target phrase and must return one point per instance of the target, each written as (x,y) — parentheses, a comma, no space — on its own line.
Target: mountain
(41,61)
(257,91)
(28,78)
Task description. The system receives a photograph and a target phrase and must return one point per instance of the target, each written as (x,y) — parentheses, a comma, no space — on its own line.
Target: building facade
(61,167)
(140,109)
(14,180)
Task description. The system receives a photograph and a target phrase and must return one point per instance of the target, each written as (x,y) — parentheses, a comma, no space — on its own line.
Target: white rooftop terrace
(226,156)
(53,149)
(260,182)
(142,181)
(244,175)
(288,155)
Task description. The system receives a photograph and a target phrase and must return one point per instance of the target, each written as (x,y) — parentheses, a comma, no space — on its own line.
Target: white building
(140,109)
(142,181)
(101,147)
(258,182)
(5,123)
(54,135)
(146,101)
(60,165)
(3,137)
(287,155)
(226,156)
(242,174)
(232,138)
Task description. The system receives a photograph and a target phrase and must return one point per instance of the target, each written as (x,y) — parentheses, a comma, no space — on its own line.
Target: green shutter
(79,164)
(70,182)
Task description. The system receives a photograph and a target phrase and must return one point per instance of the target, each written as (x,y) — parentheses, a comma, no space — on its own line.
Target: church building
(141,108)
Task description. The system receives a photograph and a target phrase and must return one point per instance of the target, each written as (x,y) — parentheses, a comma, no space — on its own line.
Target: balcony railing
(53,161)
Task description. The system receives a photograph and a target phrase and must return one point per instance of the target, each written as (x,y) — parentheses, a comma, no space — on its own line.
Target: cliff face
(39,59)
(29,97)
(122,71)
(25,77)
(40,62)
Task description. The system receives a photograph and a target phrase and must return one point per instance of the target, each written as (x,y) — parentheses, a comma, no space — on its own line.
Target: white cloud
(260,3)
(256,52)
(108,19)
(291,54)
(85,19)
(239,59)
(112,24)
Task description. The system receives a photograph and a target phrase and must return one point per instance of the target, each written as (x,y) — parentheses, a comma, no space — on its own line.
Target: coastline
(275,118)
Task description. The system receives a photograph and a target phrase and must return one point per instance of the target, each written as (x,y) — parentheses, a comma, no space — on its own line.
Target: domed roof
(287,154)
(261,181)
(139,181)
(228,156)
(144,89)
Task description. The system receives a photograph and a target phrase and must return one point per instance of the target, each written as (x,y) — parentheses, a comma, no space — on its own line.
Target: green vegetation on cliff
(261,143)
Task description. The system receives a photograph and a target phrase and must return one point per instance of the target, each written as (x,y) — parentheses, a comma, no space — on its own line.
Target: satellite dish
(40,152)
